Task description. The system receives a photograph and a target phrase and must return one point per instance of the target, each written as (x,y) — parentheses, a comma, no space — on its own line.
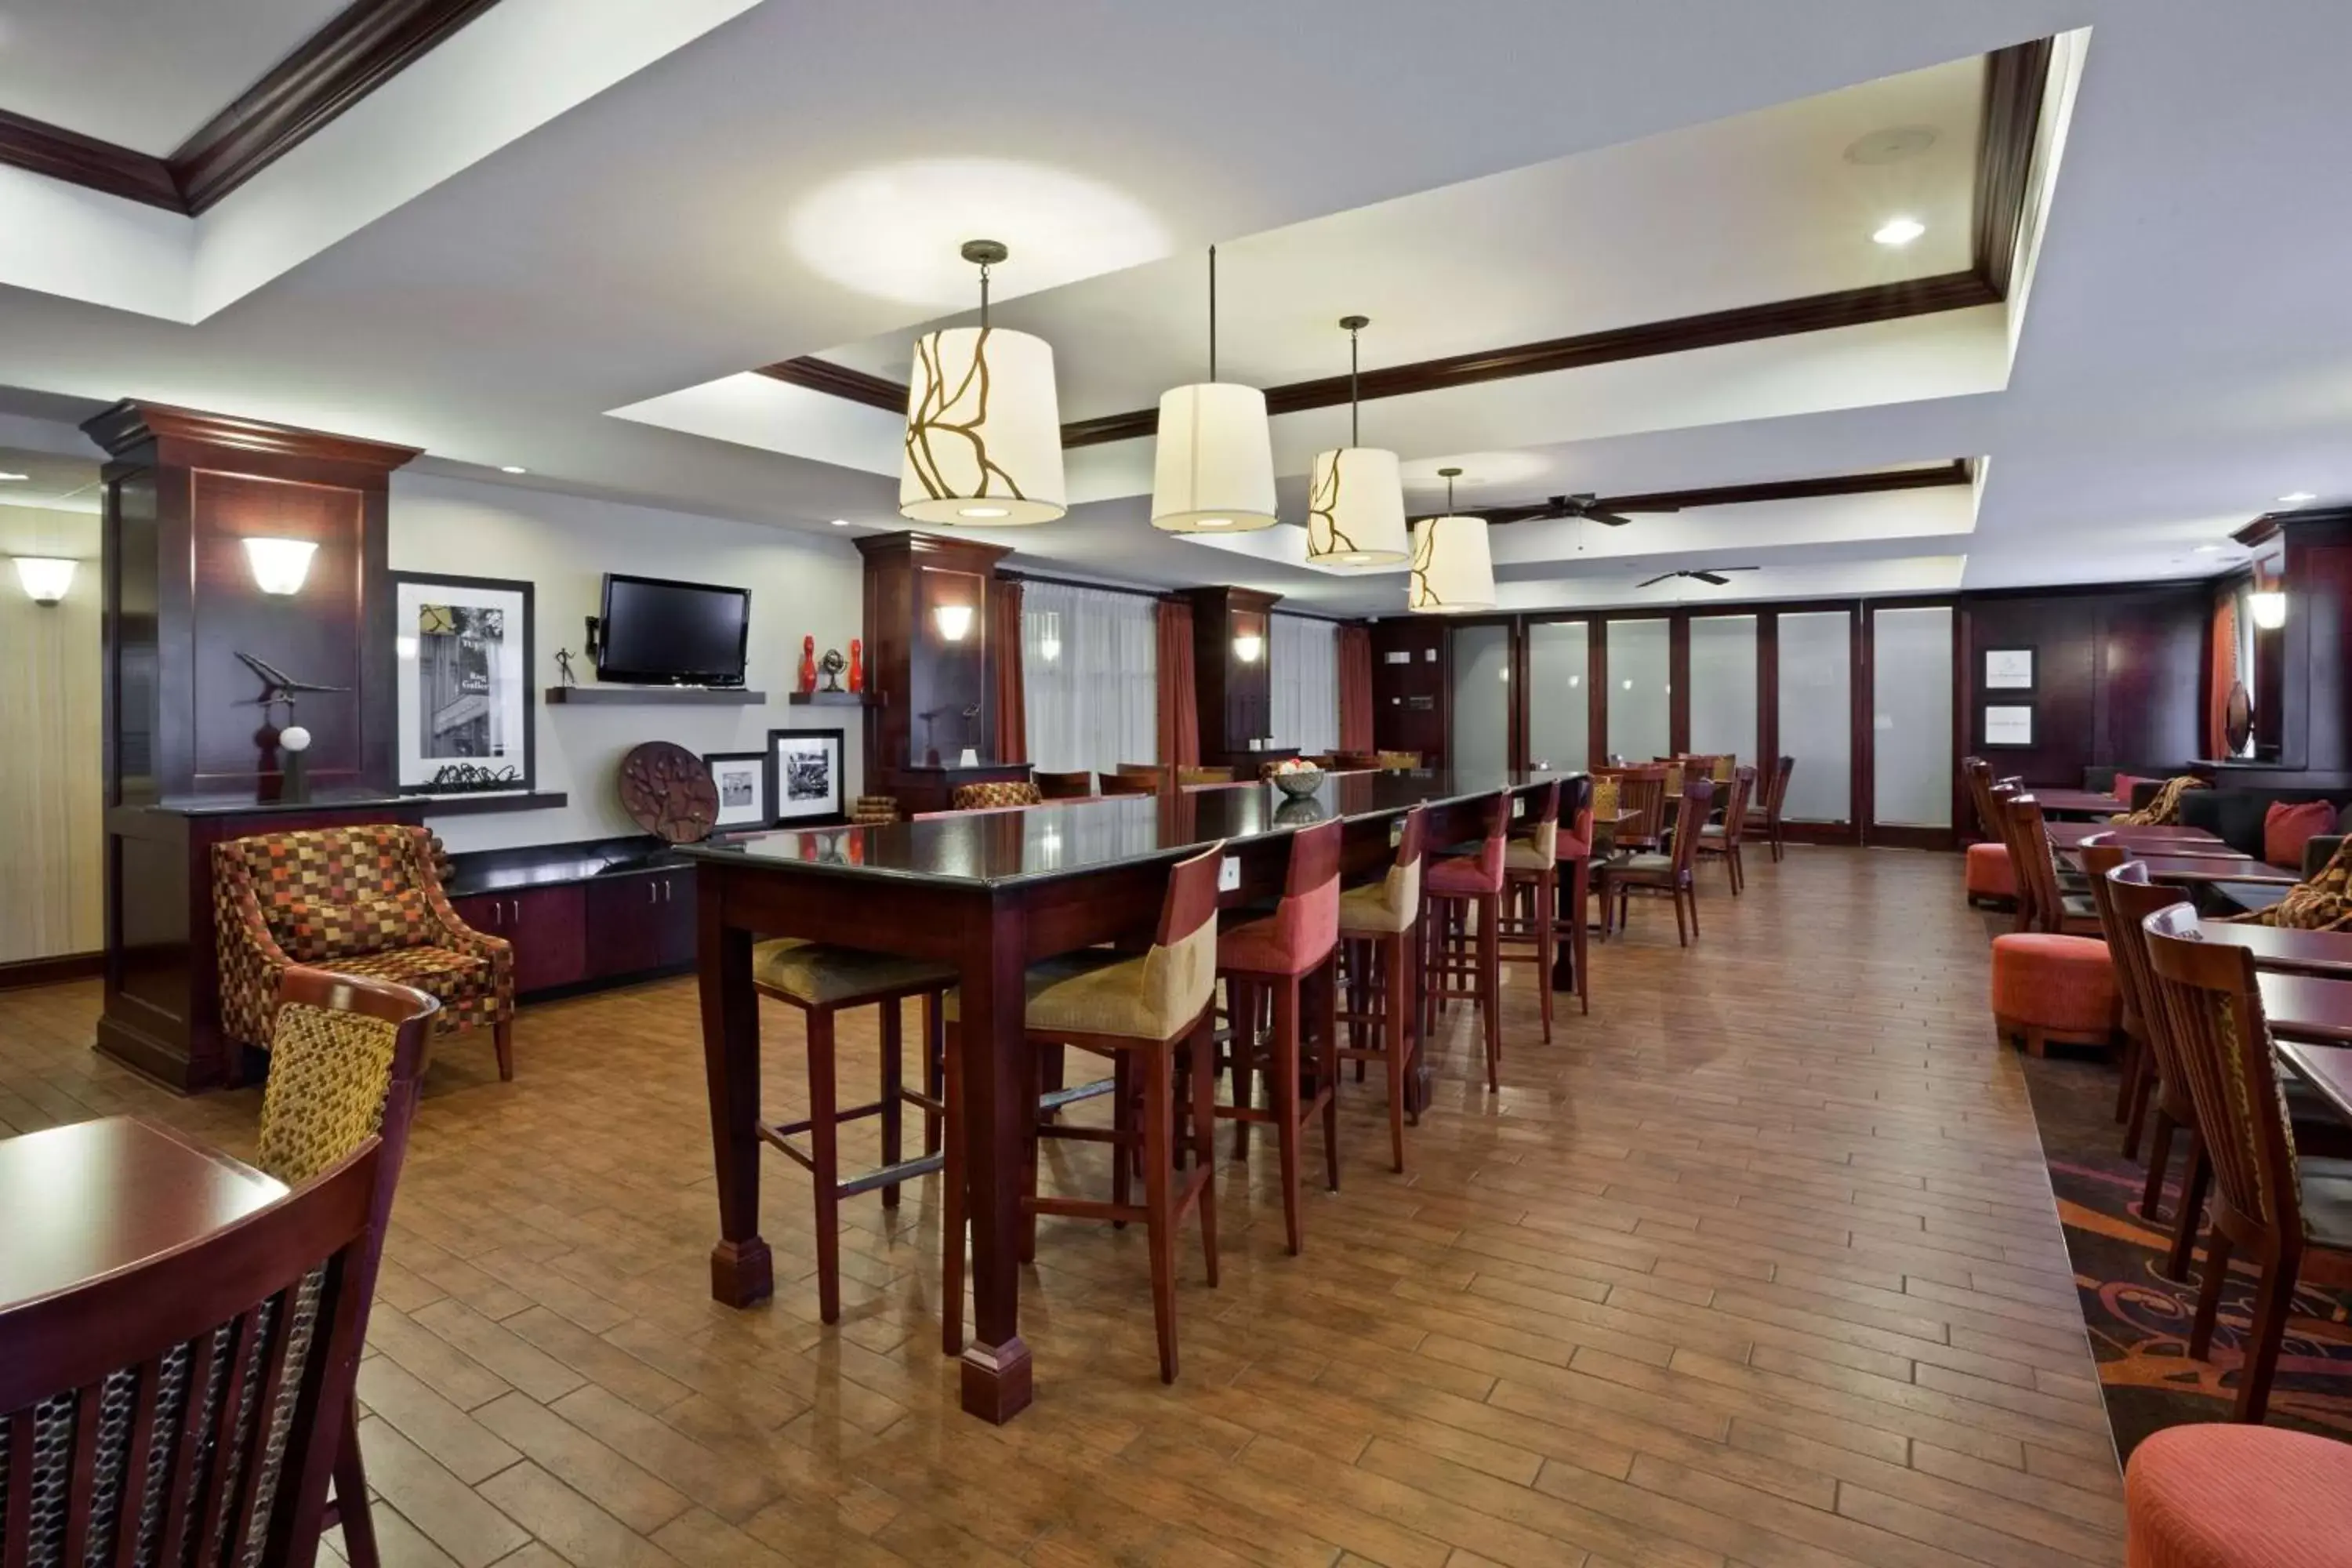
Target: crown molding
(131,424)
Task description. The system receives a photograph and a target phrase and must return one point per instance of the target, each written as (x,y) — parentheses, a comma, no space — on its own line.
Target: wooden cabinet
(548,928)
(640,921)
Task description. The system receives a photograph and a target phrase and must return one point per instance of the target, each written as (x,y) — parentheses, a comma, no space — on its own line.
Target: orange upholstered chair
(2047,987)
(2209,1496)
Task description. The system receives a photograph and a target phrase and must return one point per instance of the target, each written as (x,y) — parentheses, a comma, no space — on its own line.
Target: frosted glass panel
(1723,684)
(1816,714)
(1911,691)
(1640,726)
(1482,698)
(1560,704)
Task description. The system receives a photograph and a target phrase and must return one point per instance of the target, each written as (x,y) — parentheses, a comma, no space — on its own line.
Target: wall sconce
(954,621)
(279,565)
(2269,606)
(1248,647)
(44,578)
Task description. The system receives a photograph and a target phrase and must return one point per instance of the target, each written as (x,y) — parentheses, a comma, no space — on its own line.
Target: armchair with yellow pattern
(363,900)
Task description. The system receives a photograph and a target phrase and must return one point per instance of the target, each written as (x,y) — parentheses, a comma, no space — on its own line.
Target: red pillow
(2124,785)
(2286,828)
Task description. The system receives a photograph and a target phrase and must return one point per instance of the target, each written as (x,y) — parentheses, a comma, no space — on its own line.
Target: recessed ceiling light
(512,469)
(1899,231)
(14,479)
(982,511)
(2212,549)
(841,522)
(2292,498)
(1892,146)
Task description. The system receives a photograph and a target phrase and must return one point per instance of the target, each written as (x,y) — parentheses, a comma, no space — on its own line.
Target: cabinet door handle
(516,905)
(650,894)
(666,891)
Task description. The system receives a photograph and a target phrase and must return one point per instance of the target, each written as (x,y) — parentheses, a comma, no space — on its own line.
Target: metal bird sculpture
(277,686)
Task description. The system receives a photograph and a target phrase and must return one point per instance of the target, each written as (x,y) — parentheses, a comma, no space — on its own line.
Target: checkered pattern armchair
(354,900)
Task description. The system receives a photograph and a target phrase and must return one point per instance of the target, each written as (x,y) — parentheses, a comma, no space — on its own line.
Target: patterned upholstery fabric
(1391,904)
(1096,991)
(2164,811)
(1604,794)
(2060,983)
(2323,903)
(873,810)
(2217,1496)
(985,796)
(1400,762)
(818,974)
(328,1074)
(359,900)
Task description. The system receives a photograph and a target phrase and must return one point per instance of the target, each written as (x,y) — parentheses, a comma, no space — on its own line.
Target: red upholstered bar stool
(1378,926)
(1454,968)
(1141,1011)
(820,980)
(1283,955)
(1531,916)
(2209,1496)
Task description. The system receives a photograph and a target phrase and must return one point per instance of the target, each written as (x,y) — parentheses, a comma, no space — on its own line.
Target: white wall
(564,545)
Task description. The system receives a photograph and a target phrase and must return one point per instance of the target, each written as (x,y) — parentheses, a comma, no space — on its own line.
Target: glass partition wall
(1559,696)
(1911,719)
(1641,689)
(1723,691)
(1815,703)
(1479,737)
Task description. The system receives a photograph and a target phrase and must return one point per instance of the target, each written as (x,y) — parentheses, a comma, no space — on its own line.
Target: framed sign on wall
(804,779)
(463,648)
(2007,725)
(2009,669)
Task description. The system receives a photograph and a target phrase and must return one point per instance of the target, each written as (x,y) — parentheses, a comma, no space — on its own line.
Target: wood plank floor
(1757,1265)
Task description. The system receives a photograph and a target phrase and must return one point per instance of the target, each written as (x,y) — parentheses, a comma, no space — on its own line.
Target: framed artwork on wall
(2007,726)
(2009,669)
(805,782)
(463,650)
(741,778)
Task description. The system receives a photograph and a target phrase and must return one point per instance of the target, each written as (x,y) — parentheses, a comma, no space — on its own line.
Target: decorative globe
(294,738)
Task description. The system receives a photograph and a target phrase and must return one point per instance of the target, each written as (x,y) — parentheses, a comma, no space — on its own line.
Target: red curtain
(1355,688)
(1180,703)
(1004,647)
(2220,675)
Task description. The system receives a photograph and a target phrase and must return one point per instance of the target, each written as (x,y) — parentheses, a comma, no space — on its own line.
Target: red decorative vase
(856,665)
(808,664)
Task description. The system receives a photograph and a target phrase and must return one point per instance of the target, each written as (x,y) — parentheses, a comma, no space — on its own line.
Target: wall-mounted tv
(655,632)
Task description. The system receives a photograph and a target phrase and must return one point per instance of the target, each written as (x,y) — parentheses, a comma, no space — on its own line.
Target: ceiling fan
(1589,506)
(1712,576)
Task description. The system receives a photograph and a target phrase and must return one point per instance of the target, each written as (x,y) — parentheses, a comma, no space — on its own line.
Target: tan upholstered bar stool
(1460,966)
(821,980)
(1530,917)
(1378,927)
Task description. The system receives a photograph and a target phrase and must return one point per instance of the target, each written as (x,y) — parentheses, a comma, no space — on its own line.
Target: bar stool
(1281,954)
(1453,889)
(1376,935)
(1138,1010)
(1531,882)
(821,980)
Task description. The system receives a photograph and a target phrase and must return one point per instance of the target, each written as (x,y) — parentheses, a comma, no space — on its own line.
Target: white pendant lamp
(983,425)
(1213,471)
(1355,500)
(1452,571)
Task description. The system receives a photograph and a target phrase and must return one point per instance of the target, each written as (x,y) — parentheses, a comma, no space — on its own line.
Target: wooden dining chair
(346,1055)
(1642,792)
(1076,785)
(1531,910)
(1204,775)
(1379,925)
(1161,774)
(193,1406)
(1289,957)
(1668,872)
(2151,1079)
(2266,1205)
(1765,817)
(1129,783)
(1721,840)
(1457,893)
(2044,902)
(1141,1011)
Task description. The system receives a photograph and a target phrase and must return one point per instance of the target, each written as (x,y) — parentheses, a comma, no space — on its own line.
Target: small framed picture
(742,781)
(2007,725)
(804,776)
(2009,669)
(462,646)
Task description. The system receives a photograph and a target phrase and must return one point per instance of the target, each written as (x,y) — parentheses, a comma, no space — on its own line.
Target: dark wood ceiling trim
(1929,477)
(2014,82)
(63,155)
(824,375)
(367,44)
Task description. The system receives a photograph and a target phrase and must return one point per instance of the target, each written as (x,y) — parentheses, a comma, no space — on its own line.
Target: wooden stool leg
(1547,892)
(1396,1036)
(2191,1217)
(1204,1137)
(1358,958)
(892,1114)
(1158,1203)
(351,1494)
(1241,1048)
(1580,938)
(1285,1101)
(1327,1070)
(1489,986)
(825,1164)
(1122,1078)
(934,1066)
(2273,1303)
(951,1197)
(502,1042)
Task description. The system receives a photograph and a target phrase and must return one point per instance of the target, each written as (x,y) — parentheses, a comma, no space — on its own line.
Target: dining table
(2325,953)
(2307,1007)
(989,894)
(2154,837)
(2326,1068)
(91,1197)
(2190,871)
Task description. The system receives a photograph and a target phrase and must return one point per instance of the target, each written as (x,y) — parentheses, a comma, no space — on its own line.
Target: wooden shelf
(667,696)
(826,699)
(488,800)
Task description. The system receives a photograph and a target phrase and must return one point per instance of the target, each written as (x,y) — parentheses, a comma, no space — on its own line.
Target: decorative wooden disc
(666,790)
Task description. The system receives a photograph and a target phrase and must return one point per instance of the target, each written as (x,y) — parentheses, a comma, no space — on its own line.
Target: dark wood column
(2301,683)
(930,696)
(189,760)
(1236,693)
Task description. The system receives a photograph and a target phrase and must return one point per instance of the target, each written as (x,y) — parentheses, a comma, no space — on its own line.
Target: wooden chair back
(2126,897)
(1643,790)
(1777,797)
(1204,775)
(1192,896)
(1307,920)
(1076,785)
(2040,905)
(2214,1007)
(1697,795)
(189,1408)
(1978,775)
(1735,816)
(1160,773)
(1129,783)
(1412,838)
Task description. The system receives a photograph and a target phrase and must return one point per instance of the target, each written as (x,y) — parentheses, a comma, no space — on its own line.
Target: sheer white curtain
(1089,673)
(1306,679)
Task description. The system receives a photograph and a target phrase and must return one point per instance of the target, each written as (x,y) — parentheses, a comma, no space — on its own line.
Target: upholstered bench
(2216,1496)
(2049,988)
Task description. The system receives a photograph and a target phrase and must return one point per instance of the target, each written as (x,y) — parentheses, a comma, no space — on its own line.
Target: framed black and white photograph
(2009,669)
(742,781)
(2007,725)
(804,781)
(465,689)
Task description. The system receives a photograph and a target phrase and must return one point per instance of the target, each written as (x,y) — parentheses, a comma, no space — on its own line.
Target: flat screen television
(655,632)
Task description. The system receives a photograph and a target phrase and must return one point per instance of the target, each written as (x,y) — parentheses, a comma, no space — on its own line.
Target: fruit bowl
(1299,783)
